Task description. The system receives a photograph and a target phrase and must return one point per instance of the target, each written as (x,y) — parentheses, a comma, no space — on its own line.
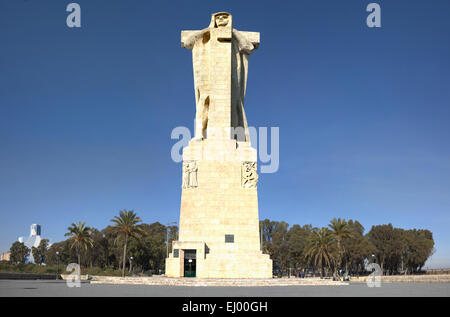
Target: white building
(32,241)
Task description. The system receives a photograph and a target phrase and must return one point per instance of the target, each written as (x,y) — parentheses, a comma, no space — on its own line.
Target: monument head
(221,19)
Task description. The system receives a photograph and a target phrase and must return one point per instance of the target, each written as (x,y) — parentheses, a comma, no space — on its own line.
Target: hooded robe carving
(242,45)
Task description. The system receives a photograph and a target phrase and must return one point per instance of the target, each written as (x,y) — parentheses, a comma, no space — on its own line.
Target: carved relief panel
(190,174)
(249,177)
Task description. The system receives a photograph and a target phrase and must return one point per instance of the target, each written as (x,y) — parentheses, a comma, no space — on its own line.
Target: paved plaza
(59,288)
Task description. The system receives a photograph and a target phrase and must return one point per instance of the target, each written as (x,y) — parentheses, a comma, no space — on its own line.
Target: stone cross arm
(252,37)
(247,41)
(188,38)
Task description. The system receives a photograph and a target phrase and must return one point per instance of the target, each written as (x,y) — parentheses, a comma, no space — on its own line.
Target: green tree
(65,253)
(297,240)
(36,255)
(340,230)
(320,250)
(266,231)
(80,236)
(419,247)
(149,249)
(356,248)
(156,236)
(126,225)
(113,247)
(388,244)
(19,252)
(275,242)
(173,235)
(40,252)
(97,255)
(398,245)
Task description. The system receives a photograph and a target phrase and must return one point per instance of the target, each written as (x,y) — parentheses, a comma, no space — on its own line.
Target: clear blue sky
(86,114)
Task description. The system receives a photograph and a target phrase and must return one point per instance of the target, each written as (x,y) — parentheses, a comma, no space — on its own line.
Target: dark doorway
(190,263)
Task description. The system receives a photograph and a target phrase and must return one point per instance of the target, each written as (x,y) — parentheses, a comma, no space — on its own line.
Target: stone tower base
(219,223)
(225,264)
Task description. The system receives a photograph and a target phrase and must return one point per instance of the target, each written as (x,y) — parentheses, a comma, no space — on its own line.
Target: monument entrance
(189,263)
(219,199)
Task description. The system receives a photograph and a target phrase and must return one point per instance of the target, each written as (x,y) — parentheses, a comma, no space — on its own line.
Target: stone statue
(190,174)
(220,59)
(249,175)
(219,199)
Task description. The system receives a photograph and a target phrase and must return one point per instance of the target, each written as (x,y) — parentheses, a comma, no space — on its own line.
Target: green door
(189,263)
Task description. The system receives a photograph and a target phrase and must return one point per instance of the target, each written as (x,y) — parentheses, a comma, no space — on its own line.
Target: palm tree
(320,249)
(126,224)
(80,234)
(340,230)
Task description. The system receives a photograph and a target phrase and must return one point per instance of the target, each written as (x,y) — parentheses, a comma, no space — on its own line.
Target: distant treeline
(93,248)
(343,247)
(340,247)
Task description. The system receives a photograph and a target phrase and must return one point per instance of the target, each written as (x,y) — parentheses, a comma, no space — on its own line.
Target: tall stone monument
(219,224)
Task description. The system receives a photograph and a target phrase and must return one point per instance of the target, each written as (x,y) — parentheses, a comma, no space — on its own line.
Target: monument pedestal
(219,216)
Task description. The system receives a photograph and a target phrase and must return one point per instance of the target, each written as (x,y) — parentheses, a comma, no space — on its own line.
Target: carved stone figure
(249,175)
(190,174)
(220,58)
